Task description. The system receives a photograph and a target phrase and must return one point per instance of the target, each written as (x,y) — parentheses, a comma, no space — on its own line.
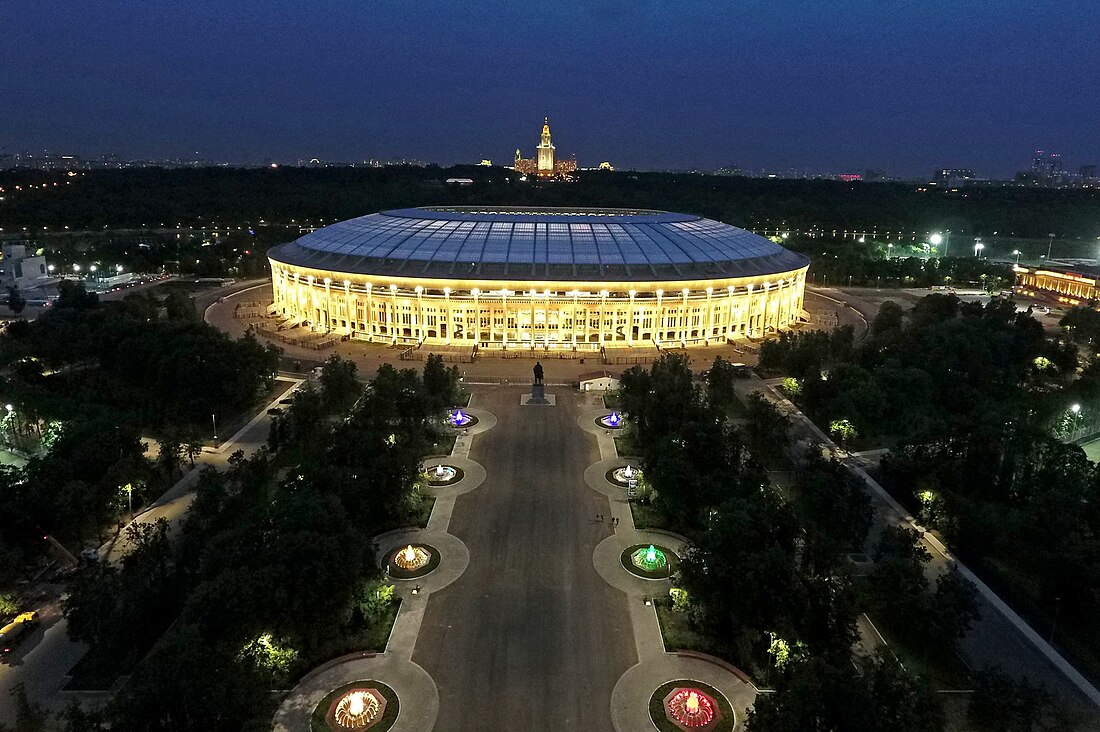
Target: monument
(538,388)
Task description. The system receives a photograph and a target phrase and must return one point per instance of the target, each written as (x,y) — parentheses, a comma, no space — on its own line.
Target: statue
(538,372)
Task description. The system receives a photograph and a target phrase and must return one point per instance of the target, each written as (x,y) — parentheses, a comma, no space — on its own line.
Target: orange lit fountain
(691,709)
(358,709)
(412,558)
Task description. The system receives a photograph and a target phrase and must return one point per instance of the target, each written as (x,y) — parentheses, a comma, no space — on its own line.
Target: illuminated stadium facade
(581,279)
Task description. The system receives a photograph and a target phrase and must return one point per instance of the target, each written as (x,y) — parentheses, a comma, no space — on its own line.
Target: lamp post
(214,421)
(1017,253)
(978,247)
(1050,245)
(1076,409)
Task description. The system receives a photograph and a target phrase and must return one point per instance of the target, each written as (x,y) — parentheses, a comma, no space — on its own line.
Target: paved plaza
(530,622)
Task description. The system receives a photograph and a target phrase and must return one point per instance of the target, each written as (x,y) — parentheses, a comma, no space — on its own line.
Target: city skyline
(763,87)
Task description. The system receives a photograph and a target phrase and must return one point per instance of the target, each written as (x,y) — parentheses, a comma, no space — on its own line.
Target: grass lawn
(940,665)
(611,401)
(661,721)
(677,631)
(443,445)
(626,447)
(647,517)
(423,512)
(318,723)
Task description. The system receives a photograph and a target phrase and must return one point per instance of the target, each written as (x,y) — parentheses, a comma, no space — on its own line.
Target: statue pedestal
(537,396)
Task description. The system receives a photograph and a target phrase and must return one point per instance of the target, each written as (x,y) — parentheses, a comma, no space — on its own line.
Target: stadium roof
(588,244)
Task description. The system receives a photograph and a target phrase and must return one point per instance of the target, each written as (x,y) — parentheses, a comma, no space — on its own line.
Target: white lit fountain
(442,474)
(625,474)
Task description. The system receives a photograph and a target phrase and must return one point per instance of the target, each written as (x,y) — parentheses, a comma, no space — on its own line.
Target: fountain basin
(440,475)
(661,564)
(412,561)
(613,421)
(687,705)
(459,419)
(360,705)
(622,476)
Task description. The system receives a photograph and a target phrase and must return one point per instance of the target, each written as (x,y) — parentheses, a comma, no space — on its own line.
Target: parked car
(18,629)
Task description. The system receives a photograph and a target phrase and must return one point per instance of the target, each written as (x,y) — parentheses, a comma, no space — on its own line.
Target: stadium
(538,278)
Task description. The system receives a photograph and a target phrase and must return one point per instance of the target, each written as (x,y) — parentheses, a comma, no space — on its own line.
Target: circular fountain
(412,561)
(359,705)
(612,421)
(622,476)
(460,419)
(650,561)
(691,709)
(443,475)
(358,709)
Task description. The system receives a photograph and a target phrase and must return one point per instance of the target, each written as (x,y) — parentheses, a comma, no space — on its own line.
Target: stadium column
(603,315)
(477,316)
(710,315)
(419,314)
(659,316)
(630,322)
(749,314)
(504,314)
(450,318)
(370,312)
(391,315)
(574,328)
(350,310)
(729,313)
(684,328)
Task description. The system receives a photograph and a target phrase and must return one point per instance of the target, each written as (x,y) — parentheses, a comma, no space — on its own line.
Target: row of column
(725,313)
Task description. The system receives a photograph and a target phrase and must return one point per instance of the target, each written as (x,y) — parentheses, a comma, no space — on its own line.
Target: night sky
(829,85)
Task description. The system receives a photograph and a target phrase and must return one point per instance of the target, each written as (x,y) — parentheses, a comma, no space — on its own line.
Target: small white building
(599,381)
(17,269)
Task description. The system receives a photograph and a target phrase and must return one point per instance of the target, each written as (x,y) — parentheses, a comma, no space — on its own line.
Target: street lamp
(1017,253)
(1050,245)
(214,420)
(978,247)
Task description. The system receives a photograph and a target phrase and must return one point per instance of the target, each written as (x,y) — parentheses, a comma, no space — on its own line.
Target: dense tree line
(979,405)
(275,569)
(129,360)
(150,197)
(767,579)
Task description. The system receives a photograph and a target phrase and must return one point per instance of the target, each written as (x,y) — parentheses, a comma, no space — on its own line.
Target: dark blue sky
(827,85)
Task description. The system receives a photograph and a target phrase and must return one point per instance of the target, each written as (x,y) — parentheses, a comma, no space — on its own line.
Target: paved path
(656,666)
(530,638)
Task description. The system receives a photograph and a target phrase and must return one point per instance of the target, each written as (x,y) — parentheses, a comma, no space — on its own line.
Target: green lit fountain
(649,560)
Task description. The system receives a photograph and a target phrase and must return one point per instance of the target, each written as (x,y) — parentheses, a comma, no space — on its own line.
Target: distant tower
(546,151)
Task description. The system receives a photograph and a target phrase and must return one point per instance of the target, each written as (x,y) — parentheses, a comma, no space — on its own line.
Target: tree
(897,579)
(193,447)
(16,302)
(954,607)
(1001,703)
(835,501)
(767,428)
(178,305)
(169,455)
(720,379)
(819,696)
(440,383)
(339,385)
(888,320)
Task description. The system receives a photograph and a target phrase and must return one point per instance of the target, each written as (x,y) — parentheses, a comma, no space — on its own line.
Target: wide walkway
(530,637)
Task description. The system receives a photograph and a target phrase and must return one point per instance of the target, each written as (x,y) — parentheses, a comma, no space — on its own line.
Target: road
(44,660)
(530,637)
